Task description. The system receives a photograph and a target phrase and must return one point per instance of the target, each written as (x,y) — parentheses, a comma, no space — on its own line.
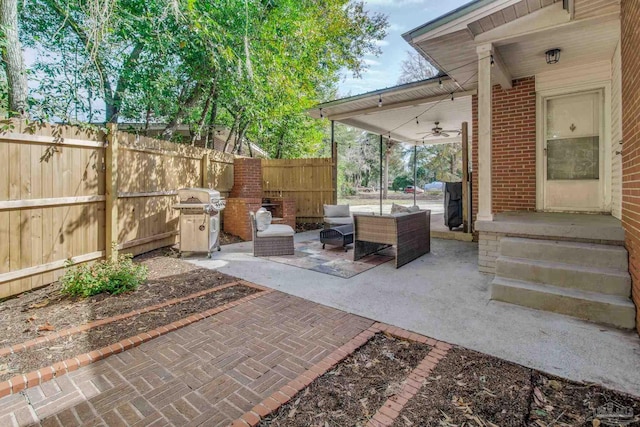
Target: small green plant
(113,277)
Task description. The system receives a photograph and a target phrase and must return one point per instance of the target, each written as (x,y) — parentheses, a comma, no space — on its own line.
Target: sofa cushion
(276,230)
(333,211)
(341,220)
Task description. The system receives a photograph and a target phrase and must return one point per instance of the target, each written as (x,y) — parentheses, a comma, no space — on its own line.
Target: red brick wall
(247,178)
(286,210)
(513,147)
(236,216)
(630,16)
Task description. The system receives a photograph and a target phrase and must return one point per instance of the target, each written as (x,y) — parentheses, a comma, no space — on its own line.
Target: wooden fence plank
(307,181)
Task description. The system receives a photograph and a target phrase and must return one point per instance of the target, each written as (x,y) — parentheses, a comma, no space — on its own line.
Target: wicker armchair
(276,240)
(408,232)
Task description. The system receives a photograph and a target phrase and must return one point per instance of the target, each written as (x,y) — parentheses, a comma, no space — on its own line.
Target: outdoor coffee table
(338,236)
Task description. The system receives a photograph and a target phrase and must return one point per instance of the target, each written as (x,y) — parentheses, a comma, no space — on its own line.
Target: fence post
(204,171)
(111,192)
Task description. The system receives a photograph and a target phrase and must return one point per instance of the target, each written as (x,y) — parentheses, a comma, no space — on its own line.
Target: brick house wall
(630,40)
(513,147)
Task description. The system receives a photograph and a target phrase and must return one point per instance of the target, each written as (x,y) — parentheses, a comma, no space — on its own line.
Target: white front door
(573,152)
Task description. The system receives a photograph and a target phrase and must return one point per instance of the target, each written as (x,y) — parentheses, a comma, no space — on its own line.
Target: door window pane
(573,158)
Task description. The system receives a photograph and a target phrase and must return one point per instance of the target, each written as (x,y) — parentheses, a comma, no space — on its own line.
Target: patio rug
(333,260)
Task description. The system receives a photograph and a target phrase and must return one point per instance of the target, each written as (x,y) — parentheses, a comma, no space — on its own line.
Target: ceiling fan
(438,131)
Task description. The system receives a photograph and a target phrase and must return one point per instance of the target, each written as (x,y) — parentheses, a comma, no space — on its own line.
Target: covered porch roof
(405,113)
(517,33)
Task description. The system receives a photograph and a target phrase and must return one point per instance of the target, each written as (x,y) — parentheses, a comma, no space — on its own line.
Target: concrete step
(575,253)
(590,279)
(613,310)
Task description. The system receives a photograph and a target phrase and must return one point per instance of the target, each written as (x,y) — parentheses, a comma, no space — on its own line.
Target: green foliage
(113,277)
(400,182)
(253,66)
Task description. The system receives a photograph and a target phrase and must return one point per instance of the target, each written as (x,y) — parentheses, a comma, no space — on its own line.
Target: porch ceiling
(401,105)
(520,37)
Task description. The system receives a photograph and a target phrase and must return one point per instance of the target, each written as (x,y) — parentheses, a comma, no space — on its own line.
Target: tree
(253,66)
(415,68)
(12,58)
(443,162)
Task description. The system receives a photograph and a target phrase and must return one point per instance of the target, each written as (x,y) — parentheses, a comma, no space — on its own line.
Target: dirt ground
(46,310)
(352,392)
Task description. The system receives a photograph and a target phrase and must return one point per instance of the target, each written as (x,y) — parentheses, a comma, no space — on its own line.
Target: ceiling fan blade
(443,133)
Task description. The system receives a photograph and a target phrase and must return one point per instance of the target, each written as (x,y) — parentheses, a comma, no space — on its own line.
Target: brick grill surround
(247,178)
(247,196)
(630,39)
(236,216)
(513,148)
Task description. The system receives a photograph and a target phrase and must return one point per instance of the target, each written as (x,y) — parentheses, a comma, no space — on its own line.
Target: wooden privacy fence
(308,181)
(64,195)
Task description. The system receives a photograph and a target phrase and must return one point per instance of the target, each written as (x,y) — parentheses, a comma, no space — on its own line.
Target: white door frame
(605,151)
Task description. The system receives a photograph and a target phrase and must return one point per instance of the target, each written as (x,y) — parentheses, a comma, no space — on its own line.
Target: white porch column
(485,212)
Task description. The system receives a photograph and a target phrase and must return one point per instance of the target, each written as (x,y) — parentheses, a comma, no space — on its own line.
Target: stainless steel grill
(199,219)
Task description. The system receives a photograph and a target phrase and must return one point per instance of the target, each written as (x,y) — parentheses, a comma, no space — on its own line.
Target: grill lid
(198,195)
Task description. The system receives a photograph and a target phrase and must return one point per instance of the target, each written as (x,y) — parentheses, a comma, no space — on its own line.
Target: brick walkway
(208,373)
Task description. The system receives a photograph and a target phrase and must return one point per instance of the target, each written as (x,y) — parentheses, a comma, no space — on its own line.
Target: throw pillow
(395,208)
(263,219)
(333,211)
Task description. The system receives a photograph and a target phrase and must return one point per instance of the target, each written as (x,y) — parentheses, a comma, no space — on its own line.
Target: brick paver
(207,373)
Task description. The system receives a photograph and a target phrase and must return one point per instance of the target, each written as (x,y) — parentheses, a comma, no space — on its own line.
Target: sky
(403,15)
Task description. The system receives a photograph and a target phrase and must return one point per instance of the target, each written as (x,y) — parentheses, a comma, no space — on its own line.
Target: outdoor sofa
(409,232)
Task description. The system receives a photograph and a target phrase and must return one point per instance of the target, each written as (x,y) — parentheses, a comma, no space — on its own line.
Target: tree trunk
(113,110)
(147,119)
(241,131)
(203,116)
(280,144)
(175,121)
(211,132)
(228,140)
(13,59)
(69,22)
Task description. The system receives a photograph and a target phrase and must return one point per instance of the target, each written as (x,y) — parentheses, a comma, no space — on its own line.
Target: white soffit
(401,122)
(521,33)
(579,44)
(426,100)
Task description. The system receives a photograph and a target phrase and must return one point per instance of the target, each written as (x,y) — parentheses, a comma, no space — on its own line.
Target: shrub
(113,277)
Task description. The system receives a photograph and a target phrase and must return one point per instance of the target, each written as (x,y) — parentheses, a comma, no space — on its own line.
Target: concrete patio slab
(444,296)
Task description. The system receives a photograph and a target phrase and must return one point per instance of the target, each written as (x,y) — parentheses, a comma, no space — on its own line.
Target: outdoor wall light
(379,100)
(553,56)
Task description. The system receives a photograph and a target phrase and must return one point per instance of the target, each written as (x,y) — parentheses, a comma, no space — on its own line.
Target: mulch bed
(308,226)
(558,402)
(352,392)
(470,388)
(67,347)
(466,385)
(46,310)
